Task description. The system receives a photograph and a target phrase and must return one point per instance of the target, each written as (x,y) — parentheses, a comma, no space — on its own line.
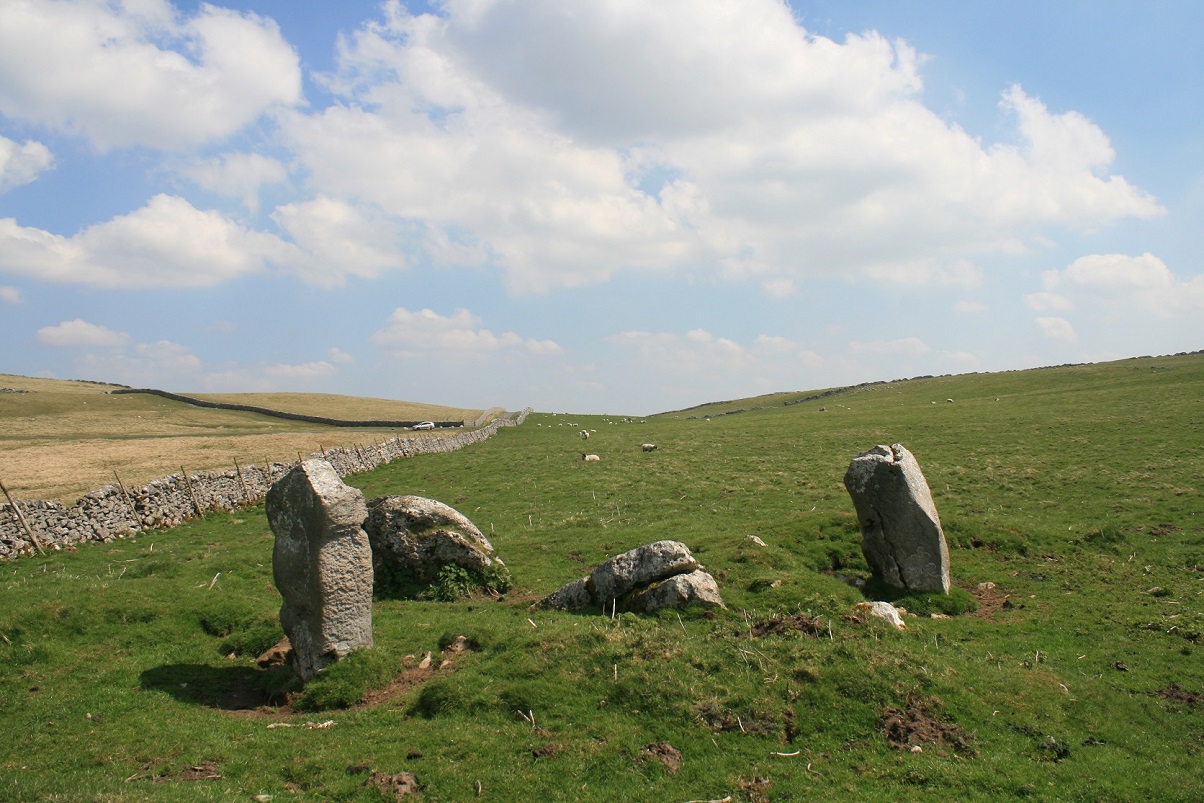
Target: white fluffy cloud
(340,357)
(237,175)
(334,239)
(9,295)
(705,356)
(130,73)
(167,243)
(79,333)
(458,336)
(158,364)
(1056,328)
(304,371)
(21,163)
(565,144)
(1120,282)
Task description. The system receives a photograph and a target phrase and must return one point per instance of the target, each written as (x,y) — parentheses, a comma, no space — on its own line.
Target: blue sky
(606,206)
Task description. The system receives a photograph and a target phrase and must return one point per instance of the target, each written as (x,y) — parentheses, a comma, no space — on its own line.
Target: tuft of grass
(957,602)
(344,683)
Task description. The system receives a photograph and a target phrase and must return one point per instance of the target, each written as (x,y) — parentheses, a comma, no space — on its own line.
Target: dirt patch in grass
(991,599)
(394,787)
(754,790)
(253,703)
(919,726)
(780,625)
(404,683)
(665,753)
(1175,694)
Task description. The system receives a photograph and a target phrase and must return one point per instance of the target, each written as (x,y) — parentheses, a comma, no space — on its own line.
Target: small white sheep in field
(585,434)
(649,447)
(590,458)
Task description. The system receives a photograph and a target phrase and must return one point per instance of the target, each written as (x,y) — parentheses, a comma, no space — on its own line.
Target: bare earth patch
(918,727)
(396,786)
(991,600)
(1176,694)
(665,753)
(780,625)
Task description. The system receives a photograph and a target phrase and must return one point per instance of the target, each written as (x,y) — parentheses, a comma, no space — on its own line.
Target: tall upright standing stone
(322,565)
(901,535)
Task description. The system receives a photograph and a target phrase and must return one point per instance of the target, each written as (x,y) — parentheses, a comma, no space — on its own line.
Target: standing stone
(322,564)
(901,535)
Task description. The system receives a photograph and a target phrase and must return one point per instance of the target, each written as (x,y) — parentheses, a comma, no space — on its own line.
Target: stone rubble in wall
(105,515)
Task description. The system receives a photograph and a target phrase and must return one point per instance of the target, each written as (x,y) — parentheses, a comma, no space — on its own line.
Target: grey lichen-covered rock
(679,591)
(322,565)
(639,567)
(421,536)
(575,596)
(659,575)
(901,535)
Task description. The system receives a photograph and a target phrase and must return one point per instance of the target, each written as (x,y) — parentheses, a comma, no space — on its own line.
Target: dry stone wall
(111,512)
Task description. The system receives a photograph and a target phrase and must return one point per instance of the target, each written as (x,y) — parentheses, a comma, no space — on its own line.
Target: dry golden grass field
(62,438)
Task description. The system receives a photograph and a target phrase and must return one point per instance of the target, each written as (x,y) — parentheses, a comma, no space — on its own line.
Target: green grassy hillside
(127,671)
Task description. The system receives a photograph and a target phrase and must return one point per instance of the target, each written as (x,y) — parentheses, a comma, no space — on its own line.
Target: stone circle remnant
(322,565)
(419,537)
(901,535)
(659,575)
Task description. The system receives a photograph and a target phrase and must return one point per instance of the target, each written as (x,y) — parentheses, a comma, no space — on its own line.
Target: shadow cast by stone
(226,688)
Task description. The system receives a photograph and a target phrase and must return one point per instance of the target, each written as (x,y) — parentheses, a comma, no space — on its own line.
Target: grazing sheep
(649,447)
(590,458)
(585,434)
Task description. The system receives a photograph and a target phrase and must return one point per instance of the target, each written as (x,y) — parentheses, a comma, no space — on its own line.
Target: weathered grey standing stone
(901,533)
(322,564)
(659,575)
(423,535)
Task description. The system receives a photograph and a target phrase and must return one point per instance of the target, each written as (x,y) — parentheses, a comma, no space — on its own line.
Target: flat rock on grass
(659,575)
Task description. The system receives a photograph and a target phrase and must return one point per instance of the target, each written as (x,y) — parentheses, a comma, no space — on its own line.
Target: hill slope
(63,438)
(1071,499)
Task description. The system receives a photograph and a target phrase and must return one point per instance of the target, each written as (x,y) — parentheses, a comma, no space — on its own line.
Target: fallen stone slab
(680,591)
(659,575)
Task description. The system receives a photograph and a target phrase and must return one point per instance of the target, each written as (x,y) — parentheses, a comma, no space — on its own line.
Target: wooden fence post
(246,494)
(130,502)
(21,518)
(188,484)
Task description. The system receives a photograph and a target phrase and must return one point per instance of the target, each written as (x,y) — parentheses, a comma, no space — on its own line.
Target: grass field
(127,670)
(62,439)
